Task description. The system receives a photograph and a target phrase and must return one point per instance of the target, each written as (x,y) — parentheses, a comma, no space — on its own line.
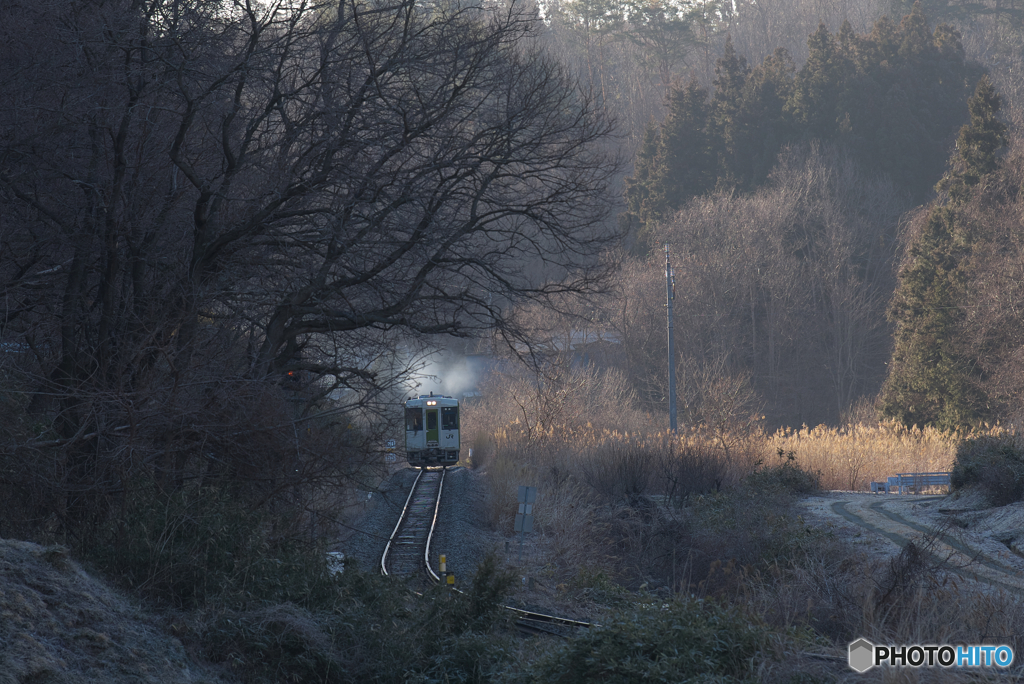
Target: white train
(432,430)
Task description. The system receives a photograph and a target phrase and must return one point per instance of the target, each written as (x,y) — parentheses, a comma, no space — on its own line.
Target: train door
(432,427)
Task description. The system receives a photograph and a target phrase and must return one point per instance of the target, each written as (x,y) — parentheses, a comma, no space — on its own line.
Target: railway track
(407,552)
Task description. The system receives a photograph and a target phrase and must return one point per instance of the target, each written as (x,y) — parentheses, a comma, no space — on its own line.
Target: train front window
(450,418)
(431,421)
(414,419)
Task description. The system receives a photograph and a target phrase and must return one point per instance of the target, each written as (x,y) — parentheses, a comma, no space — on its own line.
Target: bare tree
(780,297)
(200,193)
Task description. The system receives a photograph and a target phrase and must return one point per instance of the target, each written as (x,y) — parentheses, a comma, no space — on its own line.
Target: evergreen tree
(977,144)
(638,188)
(687,157)
(930,376)
(928,380)
(916,39)
(820,99)
(729,128)
(882,45)
(765,123)
(675,162)
(664,33)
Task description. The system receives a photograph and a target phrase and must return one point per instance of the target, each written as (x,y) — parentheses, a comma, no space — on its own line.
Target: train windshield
(450,418)
(414,419)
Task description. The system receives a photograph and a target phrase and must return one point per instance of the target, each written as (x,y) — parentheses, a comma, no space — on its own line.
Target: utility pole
(670,286)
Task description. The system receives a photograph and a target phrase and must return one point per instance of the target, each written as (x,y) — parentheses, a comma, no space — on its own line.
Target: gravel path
(976,541)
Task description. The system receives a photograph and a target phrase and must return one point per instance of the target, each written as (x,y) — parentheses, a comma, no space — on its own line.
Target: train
(432,430)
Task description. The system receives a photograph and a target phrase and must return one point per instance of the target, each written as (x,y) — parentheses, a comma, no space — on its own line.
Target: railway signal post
(524,518)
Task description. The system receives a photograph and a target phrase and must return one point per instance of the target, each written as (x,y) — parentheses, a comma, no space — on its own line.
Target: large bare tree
(203,193)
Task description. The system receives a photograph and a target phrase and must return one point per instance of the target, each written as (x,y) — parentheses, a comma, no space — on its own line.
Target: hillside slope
(58,624)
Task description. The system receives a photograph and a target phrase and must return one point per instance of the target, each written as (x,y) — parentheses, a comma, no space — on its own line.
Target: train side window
(450,418)
(414,419)
(431,421)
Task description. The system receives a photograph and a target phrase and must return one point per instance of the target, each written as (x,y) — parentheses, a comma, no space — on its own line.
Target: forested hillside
(892,99)
(782,191)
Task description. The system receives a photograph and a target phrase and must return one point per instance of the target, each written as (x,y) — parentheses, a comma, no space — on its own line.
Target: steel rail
(398,525)
(433,525)
(412,523)
(550,619)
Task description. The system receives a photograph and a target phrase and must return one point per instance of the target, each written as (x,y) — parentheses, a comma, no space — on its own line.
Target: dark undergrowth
(994,464)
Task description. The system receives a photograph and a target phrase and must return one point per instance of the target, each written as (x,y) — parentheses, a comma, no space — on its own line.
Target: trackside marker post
(449,577)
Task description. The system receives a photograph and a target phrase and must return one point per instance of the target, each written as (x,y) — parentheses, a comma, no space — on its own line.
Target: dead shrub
(621,471)
(905,574)
(697,467)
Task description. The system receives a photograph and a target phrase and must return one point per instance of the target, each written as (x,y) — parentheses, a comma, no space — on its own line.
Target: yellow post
(448,578)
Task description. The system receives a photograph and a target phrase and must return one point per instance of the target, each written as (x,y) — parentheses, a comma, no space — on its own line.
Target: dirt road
(969,538)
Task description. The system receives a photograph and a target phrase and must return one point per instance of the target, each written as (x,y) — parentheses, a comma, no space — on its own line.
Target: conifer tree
(638,188)
(728,126)
(916,40)
(819,95)
(978,142)
(766,125)
(930,375)
(685,163)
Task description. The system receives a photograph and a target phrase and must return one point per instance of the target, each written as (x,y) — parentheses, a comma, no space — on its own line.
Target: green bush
(994,464)
(682,640)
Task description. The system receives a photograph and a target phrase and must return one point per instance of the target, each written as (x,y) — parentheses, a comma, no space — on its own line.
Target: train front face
(432,431)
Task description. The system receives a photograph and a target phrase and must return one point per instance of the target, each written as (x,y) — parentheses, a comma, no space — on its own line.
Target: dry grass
(847,458)
(594,510)
(563,512)
(611,500)
(851,457)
